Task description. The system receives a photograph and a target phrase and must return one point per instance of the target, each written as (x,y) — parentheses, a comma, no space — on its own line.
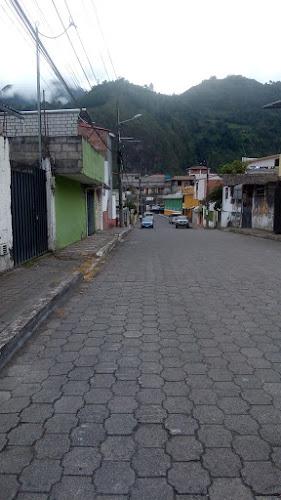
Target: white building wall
(106,204)
(114,213)
(231,212)
(201,188)
(105,192)
(51,209)
(6,232)
(264,221)
(201,180)
(266,163)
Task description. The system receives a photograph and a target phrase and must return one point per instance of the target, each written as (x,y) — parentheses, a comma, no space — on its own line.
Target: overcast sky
(173,45)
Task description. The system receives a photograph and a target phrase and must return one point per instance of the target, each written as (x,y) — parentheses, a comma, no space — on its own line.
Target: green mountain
(218,120)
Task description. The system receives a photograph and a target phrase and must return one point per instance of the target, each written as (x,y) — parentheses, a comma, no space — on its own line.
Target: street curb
(21,329)
(273,237)
(112,243)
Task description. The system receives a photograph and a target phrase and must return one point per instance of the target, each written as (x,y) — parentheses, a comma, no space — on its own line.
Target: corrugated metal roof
(181,178)
(173,196)
(249,179)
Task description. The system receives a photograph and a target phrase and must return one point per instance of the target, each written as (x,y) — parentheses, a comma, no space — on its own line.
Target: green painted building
(79,180)
(173,203)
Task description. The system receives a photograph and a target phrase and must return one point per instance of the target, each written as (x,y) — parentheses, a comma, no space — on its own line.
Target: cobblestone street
(159,379)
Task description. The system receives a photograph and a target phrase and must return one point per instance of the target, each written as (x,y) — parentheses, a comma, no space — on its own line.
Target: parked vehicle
(182,221)
(173,217)
(147,222)
(148,214)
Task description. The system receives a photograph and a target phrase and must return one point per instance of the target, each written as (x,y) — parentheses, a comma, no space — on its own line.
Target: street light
(133,118)
(120,161)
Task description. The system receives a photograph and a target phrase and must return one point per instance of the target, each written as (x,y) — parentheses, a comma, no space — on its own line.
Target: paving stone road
(158,380)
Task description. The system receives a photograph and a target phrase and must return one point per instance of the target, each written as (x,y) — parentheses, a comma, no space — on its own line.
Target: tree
(131,205)
(215,196)
(236,167)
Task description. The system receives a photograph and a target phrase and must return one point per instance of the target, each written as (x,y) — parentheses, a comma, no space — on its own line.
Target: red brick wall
(98,139)
(214,183)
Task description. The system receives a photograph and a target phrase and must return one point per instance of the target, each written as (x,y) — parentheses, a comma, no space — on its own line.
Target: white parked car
(173,217)
(148,214)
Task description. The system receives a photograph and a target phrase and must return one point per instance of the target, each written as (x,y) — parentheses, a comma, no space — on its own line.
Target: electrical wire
(77,57)
(100,55)
(43,16)
(103,37)
(14,25)
(74,79)
(58,36)
(75,26)
(25,22)
(42,49)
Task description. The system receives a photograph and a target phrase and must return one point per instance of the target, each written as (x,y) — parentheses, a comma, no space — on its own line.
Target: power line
(31,32)
(103,37)
(24,37)
(75,26)
(101,56)
(58,36)
(43,16)
(42,49)
(70,71)
(77,57)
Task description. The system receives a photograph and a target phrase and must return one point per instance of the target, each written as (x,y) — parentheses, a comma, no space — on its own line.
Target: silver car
(182,221)
(173,217)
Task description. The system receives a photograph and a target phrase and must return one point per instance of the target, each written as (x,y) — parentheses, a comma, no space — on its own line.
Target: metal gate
(277,209)
(247,206)
(29,213)
(90,211)
(247,216)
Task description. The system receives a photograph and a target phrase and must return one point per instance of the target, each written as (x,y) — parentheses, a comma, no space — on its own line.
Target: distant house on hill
(177,183)
(145,189)
(271,163)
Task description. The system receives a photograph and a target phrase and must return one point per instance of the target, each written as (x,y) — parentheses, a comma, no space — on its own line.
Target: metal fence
(29,213)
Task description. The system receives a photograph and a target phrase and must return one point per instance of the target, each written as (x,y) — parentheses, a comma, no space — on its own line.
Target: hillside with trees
(218,120)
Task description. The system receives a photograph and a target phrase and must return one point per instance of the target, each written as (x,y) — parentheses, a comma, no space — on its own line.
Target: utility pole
(207,197)
(120,161)
(38,99)
(139,196)
(120,170)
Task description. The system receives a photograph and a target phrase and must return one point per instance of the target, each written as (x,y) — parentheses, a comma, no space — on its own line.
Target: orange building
(189,202)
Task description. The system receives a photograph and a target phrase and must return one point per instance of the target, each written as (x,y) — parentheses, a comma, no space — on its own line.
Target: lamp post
(120,162)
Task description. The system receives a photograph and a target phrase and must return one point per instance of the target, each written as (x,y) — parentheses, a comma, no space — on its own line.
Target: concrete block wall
(60,122)
(65,151)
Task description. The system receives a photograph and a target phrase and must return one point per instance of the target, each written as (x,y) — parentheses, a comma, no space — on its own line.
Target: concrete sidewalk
(258,233)
(31,291)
